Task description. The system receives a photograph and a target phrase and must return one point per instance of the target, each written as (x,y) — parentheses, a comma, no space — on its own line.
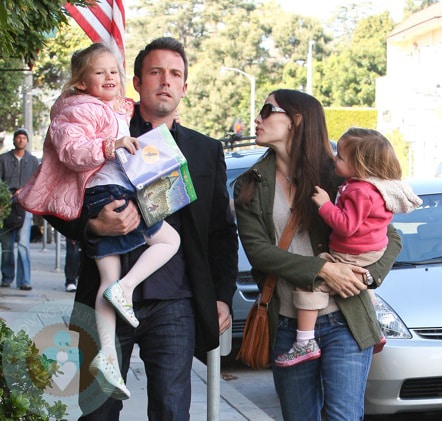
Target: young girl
(372,193)
(79,173)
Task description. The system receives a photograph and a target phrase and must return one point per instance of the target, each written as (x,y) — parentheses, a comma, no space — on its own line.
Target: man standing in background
(16,168)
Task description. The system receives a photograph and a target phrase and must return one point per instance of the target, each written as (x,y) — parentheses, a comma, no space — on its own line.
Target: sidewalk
(44,314)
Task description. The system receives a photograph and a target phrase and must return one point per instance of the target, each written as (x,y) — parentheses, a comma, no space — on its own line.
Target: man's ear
(136,83)
(183,94)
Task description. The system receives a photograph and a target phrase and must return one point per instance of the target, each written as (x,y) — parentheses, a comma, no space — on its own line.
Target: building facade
(409,97)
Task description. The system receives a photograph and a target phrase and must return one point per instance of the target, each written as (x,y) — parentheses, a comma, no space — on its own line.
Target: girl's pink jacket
(73,150)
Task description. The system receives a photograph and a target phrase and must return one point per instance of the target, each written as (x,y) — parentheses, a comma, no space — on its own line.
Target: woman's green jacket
(257,233)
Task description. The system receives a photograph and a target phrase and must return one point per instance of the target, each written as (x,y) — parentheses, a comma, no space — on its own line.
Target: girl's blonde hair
(81,63)
(370,153)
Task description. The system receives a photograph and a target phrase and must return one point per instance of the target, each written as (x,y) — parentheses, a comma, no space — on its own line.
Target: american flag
(104,22)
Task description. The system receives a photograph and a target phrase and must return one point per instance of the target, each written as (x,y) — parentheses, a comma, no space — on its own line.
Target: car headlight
(391,324)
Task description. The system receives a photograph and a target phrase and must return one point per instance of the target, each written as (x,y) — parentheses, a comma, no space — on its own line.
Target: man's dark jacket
(209,237)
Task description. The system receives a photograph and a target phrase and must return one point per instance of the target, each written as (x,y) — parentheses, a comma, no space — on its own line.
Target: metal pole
(213,373)
(213,384)
(45,233)
(27,106)
(57,251)
(252,95)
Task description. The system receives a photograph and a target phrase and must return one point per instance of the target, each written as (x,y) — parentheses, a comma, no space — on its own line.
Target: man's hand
(109,222)
(223,316)
(344,279)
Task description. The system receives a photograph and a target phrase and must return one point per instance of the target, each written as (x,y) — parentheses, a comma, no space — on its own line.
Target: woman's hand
(109,222)
(344,279)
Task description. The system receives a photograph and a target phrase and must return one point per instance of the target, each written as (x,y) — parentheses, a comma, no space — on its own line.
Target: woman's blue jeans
(334,383)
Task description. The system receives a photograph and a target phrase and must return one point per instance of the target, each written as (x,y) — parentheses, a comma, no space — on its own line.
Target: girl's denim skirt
(100,246)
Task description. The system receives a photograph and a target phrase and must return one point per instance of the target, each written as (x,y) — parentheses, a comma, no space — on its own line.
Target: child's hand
(320,196)
(130,143)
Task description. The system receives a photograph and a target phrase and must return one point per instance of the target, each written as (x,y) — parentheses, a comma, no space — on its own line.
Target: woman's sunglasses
(268,109)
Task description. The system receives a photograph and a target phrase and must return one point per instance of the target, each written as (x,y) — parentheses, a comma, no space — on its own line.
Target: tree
(11,79)
(349,75)
(259,38)
(411,6)
(25,25)
(24,31)
(51,70)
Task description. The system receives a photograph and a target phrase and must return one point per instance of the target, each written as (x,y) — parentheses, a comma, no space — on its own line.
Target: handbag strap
(284,242)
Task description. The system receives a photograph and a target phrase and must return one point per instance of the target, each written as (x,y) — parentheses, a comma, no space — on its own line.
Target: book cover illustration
(159,173)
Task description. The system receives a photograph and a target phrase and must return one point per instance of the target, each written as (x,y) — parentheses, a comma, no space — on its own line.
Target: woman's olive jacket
(257,233)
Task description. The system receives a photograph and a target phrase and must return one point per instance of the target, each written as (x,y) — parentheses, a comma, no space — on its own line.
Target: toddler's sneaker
(299,354)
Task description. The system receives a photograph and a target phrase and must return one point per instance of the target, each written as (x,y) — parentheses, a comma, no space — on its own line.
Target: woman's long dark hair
(311,155)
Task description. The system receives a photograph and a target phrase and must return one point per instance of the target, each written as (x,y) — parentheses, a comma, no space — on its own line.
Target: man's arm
(108,222)
(223,245)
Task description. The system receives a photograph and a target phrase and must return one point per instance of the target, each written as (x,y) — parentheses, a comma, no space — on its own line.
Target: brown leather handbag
(255,346)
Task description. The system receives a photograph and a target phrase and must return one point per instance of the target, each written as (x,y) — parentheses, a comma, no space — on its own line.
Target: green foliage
(25,25)
(11,80)
(25,29)
(411,6)
(23,377)
(349,75)
(5,202)
(52,66)
(259,38)
(340,120)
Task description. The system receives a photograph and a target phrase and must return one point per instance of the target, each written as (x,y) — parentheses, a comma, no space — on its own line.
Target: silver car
(407,375)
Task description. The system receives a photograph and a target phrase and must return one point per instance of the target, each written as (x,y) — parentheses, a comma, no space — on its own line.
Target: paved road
(255,385)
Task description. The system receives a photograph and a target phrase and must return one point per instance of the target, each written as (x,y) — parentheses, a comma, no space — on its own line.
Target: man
(185,304)
(16,168)
(72,264)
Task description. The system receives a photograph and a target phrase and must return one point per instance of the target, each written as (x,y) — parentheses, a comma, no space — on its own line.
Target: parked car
(407,375)
(247,290)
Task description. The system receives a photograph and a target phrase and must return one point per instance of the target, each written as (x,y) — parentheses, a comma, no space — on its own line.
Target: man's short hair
(21,131)
(163,43)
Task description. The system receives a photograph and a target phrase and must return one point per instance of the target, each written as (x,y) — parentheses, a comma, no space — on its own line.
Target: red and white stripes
(104,22)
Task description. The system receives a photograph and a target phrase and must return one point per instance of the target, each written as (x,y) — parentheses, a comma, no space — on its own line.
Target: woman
(292,124)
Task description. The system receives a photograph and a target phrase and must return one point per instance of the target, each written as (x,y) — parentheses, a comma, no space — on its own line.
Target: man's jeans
(166,337)
(337,379)
(7,241)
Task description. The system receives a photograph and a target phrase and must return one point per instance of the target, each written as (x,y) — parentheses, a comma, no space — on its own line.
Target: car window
(421,230)
(232,174)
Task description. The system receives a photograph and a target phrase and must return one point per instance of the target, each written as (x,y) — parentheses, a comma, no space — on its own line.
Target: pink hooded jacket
(73,150)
